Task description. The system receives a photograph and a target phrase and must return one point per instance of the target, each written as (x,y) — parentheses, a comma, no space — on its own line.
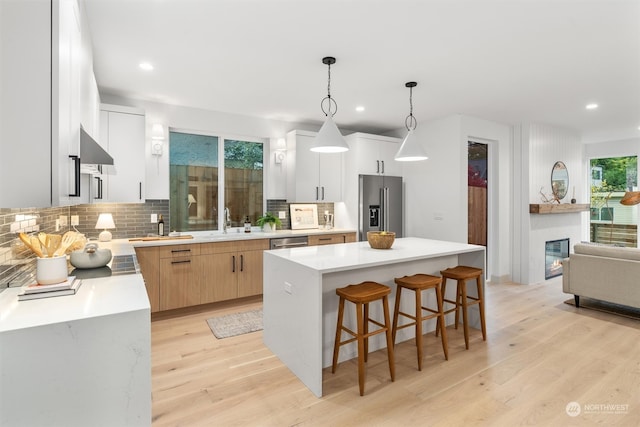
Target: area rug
(235,324)
(606,307)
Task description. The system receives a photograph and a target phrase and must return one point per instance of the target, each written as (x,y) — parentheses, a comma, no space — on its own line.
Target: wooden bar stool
(361,295)
(461,274)
(419,283)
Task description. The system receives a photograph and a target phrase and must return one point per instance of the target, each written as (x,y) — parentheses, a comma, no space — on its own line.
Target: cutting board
(152,238)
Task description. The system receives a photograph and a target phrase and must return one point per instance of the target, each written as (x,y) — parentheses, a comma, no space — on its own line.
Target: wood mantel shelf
(554,208)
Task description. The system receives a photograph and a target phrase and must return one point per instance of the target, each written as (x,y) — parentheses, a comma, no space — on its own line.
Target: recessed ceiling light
(592,106)
(146,66)
(359,108)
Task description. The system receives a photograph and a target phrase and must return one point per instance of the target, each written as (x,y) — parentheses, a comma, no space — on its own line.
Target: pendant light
(329,138)
(410,149)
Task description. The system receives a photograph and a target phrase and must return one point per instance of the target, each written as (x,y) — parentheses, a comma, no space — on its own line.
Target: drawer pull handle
(241,262)
(181,262)
(233,264)
(174,251)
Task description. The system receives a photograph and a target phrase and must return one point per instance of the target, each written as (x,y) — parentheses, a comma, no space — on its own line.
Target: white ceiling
(507,61)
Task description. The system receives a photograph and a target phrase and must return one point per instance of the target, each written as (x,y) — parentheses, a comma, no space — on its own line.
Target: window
(612,222)
(208,174)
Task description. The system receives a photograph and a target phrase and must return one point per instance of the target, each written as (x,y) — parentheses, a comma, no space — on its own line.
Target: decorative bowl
(381,239)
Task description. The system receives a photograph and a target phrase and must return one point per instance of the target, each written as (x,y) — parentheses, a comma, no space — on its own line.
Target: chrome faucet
(227,220)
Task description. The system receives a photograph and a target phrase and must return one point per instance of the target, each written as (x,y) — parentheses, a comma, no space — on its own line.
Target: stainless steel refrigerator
(380,204)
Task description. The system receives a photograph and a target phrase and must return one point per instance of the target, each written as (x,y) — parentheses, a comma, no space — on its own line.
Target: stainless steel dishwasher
(289,242)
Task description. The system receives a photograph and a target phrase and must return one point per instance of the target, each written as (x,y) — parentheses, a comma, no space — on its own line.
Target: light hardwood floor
(540,355)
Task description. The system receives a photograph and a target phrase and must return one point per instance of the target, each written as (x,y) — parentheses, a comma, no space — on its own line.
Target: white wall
(436,190)
(536,149)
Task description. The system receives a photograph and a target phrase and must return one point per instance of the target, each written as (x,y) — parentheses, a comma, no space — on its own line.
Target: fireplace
(554,252)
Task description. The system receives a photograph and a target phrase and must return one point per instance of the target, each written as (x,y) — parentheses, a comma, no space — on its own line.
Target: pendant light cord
(410,122)
(328,61)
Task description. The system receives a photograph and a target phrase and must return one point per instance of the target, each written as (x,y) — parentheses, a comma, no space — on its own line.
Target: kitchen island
(78,360)
(300,303)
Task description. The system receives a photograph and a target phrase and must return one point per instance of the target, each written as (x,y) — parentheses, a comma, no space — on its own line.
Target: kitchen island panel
(293,318)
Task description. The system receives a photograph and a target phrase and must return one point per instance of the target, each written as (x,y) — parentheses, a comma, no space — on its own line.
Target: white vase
(268,227)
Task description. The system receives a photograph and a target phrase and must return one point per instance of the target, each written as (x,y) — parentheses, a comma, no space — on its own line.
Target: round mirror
(559,180)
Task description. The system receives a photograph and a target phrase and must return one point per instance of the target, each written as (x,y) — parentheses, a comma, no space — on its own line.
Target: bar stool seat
(361,295)
(419,283)
(461,274)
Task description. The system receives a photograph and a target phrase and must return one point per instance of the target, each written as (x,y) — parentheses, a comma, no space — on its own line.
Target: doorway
(478,179)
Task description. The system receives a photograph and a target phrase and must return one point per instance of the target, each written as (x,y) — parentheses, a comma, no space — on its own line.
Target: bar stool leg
(361,347)
(458,302)
(336,346)
(387,322)
(395,314)
(366,331)
(419,327)
(481,308)
(440,323)
(463,290)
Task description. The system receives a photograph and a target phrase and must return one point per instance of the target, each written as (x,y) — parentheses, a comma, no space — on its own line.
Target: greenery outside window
(612,222)
(210,173)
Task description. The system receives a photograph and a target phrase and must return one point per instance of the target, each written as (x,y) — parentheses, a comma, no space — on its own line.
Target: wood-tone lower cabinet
(180,275)
(149,261)
(331,239)
(218,278)
(250,274)
(231,269)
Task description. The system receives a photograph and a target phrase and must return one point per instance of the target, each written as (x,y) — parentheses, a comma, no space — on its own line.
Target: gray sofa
(603,272)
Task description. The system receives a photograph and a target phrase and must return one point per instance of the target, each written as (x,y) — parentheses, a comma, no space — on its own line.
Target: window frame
(222,137)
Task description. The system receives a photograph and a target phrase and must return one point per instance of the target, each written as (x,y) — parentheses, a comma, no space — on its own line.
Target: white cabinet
(122,135)
(313,177)
(40,103)
(373,154)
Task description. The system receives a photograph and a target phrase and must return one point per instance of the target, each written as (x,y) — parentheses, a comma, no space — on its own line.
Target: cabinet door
(387,152)
(330,178)
(148,259)
(25,78)
(250,273)
(307,169)
(179,282)
(219,279)
(126,139)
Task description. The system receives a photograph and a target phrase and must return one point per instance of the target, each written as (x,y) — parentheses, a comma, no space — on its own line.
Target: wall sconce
(281,151)
(157,138)
(105,221)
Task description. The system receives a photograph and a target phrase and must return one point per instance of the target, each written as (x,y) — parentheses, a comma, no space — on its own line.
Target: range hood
(91,153)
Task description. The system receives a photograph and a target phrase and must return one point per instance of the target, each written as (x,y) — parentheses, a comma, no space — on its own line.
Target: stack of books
(35,290)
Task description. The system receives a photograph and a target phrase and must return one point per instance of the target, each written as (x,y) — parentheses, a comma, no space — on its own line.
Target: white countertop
(96,297)
(232,235)
(332,258)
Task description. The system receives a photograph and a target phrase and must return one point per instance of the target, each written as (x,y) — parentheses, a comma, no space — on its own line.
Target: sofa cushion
(607,251)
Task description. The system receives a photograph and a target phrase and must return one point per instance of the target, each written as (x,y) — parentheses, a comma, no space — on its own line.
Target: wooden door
(477,193)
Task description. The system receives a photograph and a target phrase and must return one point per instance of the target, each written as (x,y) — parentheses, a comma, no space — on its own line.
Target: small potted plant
(268,222)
